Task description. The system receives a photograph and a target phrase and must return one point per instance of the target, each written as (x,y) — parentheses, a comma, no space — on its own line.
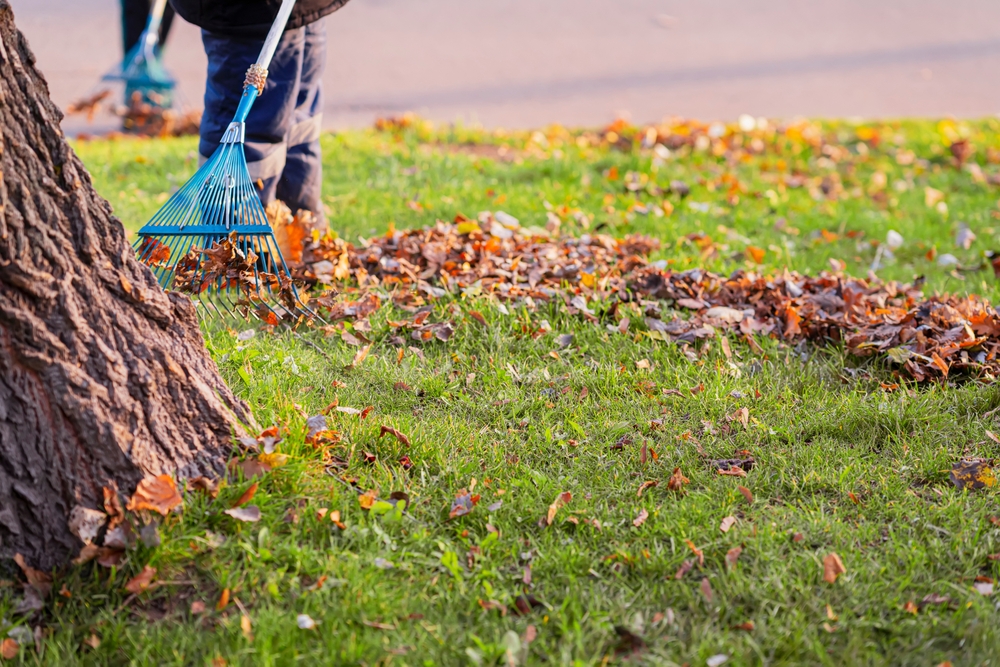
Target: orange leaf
(747,493)
(756,254)
(696,551)
(833,567)
(561,501)
(141,581)
(910,608)
(158,494)
(247,495)
(223,600)
(9,649)
(367,499)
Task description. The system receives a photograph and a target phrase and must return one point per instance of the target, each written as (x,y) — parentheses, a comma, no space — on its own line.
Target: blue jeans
(283,128)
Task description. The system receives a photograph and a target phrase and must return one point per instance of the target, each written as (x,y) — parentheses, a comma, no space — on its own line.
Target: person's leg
(302,178)
(134,16)
(273,113)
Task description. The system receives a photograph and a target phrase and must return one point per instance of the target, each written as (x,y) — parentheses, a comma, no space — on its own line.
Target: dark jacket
(250,18)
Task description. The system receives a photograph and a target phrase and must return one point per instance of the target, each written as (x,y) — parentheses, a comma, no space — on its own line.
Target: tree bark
(103,375)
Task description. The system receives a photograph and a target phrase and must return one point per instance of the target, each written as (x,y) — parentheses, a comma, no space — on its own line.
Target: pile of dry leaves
(605,280)
(139,117)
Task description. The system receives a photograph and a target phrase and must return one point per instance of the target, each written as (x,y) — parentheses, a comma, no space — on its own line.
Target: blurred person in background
(283,129)
(135,15)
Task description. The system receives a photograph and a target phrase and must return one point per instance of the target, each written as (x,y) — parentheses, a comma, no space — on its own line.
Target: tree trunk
(103,376)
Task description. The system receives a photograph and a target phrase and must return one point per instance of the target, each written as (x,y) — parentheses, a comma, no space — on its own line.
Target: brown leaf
(141,581)
(742,416)
(683,569)
(649,484)
(40,581)
(706,590)
(727,523)
(396,434)
(747,493)
(247,495)
(223,600)
(561,501)
(833,567)
(732,556)
(748,626)
(677,480)
(910,607)
(641,518)
(209,487)
(113,506)
(197,607)
(158,494)
(477,316)
(463,504)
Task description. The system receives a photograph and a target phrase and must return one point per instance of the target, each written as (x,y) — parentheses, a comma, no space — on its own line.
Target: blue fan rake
(212,239)
(142,70)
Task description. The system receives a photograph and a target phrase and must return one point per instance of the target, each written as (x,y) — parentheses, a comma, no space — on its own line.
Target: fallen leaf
(9,649)
(732,556)
(305,622)
(649,484)
(677,480)
(358,357)
(833,567)
(910,607)
(38,580)
(641,518)
(727,523)
(716,660)
(250,513)
(197,607)
(396,434)
(223,600)
(141,581)
(747,626)
(696,551)
(706,589)
(561,501)
(247,495)
(158,494)
(972,474)
(525,603)
(984,588)
(93,641)
(463,504)
(246,627)
(746,493)
(367,499)
(477,316)
(86,523)
(209,487)
(683,569)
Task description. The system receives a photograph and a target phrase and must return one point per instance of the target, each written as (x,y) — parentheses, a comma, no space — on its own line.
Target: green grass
(492,405)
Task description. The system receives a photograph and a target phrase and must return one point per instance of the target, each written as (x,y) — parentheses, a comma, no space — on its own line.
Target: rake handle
(151,35)
(253,86)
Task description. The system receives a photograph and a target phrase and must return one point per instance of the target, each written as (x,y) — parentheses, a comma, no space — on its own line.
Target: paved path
(523,63)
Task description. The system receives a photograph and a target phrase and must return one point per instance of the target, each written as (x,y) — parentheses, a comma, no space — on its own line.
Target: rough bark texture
(103,375)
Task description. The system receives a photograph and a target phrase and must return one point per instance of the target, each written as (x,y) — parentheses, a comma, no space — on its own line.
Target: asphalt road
(524,63)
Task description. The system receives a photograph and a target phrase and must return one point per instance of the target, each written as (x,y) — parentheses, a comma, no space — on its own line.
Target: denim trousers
(283,128)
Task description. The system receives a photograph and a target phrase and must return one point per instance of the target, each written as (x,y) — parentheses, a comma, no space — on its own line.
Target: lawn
(850,457)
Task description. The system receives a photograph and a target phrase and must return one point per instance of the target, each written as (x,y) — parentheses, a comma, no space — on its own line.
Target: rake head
(143,72)
(213,241)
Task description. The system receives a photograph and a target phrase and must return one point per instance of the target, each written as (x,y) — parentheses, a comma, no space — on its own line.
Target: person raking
(282,131)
